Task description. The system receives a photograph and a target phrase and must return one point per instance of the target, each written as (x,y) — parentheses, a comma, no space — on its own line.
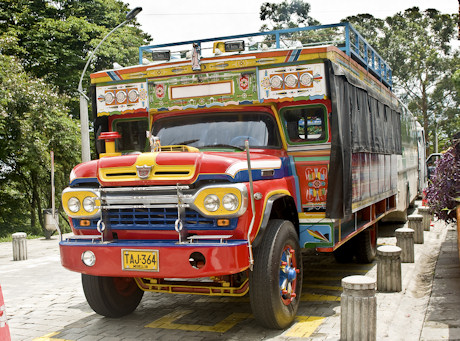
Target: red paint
(173,260)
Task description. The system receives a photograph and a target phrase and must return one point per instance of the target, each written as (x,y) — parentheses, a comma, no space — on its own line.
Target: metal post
(84,122)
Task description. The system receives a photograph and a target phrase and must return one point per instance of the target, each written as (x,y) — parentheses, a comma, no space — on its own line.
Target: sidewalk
(442,320)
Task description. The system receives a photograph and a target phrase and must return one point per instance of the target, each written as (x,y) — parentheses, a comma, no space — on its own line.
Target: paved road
(46,302)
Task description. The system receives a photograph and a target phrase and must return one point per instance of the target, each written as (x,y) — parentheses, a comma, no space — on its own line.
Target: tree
(417,45)
(55,38)
(291,14)
(33,121)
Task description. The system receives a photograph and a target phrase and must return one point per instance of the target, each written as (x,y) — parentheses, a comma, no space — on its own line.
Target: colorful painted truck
(252,153)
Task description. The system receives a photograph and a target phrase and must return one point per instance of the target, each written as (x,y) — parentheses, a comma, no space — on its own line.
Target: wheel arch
(278,206)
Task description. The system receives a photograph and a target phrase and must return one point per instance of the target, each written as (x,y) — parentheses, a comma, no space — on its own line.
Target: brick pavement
(46,302)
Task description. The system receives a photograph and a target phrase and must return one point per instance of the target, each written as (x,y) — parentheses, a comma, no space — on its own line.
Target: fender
(266,217)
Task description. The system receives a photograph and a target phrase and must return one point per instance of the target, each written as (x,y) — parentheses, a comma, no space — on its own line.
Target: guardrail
(353,44)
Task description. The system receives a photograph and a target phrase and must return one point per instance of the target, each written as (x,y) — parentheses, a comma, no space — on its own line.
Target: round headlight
(121,96)
(276,82)
(133,95)
(73,204)
(88,258)
(88,204)
(291,81)
(109,98)
(306,79)
(230,202)
(211,202)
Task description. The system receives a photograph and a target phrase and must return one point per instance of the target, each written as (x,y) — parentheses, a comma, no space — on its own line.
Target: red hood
(170,168)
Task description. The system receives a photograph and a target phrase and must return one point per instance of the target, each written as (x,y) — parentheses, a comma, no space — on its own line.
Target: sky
(181,20)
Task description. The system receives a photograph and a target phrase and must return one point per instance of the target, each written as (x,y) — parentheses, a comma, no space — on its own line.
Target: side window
(132,131)
(305,124)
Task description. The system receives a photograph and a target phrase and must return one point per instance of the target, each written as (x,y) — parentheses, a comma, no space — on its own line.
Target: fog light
(88,258)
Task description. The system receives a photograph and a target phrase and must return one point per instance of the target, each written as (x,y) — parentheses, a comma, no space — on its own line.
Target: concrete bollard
(358,317)
(415,223)
(19,246)
(424,211)
(405,240)
(389,268)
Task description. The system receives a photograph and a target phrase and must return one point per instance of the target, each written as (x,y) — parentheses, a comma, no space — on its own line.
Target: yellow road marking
(339,270)
(305,326)
(316,279)
(49,337)
(318,298)
(167,322)
(325,287)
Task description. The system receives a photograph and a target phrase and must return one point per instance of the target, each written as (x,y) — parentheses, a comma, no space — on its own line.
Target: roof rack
(353,44)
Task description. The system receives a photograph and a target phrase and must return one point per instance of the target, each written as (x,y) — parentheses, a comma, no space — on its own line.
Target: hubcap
(288,275)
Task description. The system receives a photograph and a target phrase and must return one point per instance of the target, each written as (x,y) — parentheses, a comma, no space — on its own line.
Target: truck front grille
(157,219)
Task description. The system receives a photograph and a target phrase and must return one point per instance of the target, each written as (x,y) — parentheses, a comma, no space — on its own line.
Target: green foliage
(44,46)
(33,121)
(291,14)
(54,39)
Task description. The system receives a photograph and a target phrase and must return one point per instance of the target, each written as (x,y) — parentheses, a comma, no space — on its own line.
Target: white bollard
(19,246)
(405,240)
(424,211)
(389,269)
(358,316)
(415,223)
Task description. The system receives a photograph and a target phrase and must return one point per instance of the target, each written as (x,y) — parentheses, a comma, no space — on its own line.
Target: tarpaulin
(363,120)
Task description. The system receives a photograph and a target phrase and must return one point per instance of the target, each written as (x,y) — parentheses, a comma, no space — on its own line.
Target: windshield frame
(222,113)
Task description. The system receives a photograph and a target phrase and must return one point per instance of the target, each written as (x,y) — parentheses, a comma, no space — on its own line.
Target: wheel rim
(288,275)
(125,286)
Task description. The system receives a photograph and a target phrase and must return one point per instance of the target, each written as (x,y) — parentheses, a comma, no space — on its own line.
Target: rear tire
(111,296)
(276,280)
(366,245)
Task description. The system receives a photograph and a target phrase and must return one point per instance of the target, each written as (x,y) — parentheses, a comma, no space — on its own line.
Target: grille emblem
(143,171)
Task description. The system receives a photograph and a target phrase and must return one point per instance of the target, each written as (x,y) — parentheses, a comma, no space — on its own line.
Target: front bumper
(222,258)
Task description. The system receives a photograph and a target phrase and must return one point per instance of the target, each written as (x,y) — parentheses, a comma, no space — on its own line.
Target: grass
(9,238)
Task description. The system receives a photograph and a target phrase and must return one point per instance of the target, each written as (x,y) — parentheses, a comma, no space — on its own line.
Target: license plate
(139,260)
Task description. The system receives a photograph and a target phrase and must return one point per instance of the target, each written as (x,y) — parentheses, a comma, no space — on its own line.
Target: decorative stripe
(243,165)
(114,75)
(293,55)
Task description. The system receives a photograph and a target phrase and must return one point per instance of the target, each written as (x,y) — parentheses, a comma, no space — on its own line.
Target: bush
(443,192)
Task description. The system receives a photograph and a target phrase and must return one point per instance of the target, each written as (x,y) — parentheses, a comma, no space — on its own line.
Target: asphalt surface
(44,301)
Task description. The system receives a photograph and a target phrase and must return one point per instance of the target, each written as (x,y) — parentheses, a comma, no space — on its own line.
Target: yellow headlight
(81,203)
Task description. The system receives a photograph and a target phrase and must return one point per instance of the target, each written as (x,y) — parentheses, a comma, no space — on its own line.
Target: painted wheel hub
(288,275)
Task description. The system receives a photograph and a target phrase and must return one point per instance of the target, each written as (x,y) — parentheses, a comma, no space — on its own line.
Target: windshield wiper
(222,145)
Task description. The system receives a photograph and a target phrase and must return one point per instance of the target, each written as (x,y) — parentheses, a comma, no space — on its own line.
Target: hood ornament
(143,172)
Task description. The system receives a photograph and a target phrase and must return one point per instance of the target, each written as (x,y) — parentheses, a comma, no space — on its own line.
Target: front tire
(111,296)
(276,280)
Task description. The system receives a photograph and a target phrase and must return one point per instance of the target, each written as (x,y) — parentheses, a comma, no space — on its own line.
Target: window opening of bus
(132,131)
(219,130)
(305,124)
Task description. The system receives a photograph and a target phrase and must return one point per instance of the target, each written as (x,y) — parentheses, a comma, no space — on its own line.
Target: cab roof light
(234,46)
(161,55)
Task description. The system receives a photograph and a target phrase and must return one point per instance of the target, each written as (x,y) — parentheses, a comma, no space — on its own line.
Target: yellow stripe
(305,326)
(49,337)
(167,322)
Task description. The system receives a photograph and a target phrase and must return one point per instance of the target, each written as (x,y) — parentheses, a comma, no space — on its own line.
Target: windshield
(229,129)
